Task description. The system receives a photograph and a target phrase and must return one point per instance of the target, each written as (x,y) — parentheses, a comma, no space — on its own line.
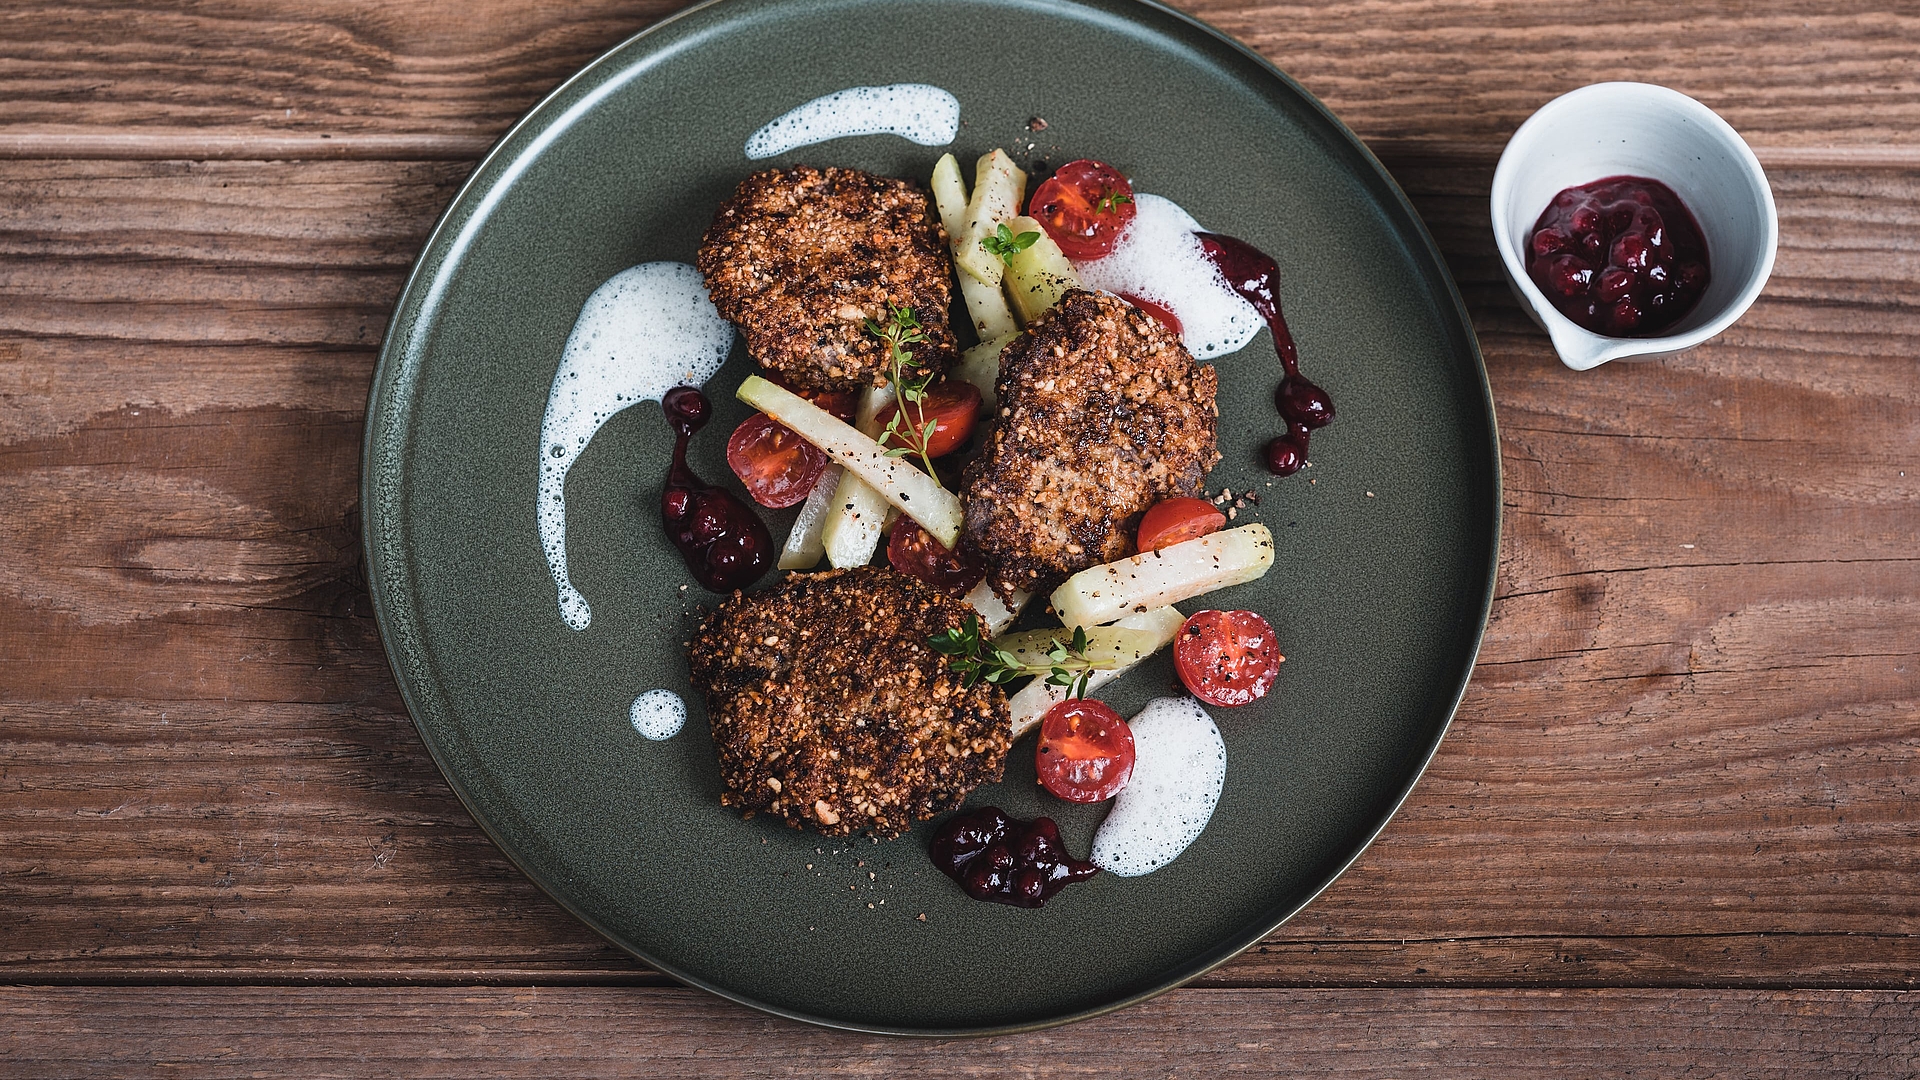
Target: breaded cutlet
(1103,413)
(830,709)
(801,258)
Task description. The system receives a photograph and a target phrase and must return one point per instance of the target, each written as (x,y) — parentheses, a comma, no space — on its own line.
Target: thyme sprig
(1110,201)
(901,330)
(970,653)
(1004,245)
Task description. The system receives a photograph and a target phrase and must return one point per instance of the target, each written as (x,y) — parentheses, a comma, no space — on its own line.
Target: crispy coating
(1103,413)
(830,709)
(801,258)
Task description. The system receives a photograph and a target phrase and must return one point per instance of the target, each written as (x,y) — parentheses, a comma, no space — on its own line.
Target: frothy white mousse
(1179,770)
(1159,259)
(658,714)
(916,112)
(645,331)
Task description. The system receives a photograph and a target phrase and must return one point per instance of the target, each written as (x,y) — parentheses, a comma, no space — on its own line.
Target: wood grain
(1677,766)
(180,77)
(552,1032)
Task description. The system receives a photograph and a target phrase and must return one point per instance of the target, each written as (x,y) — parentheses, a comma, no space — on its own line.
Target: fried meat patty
(801,258)
(1103,413)
(830,709)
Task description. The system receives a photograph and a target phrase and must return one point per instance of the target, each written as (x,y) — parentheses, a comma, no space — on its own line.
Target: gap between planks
(163,145)
(547,1033)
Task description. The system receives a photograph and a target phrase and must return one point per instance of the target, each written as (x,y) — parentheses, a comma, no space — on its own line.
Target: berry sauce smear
(726,546)
(1621,256)
(1303,405)
(1005,860)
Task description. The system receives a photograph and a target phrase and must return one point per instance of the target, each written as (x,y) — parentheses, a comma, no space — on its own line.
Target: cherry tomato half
(1227,657)
(838,402)
(1084,207)
(1085,752)
(953,405)
(1159,311)
(914,552)
(1171,521)
(778,467)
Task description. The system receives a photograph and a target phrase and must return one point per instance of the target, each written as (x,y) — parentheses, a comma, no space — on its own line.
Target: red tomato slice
(1084,207)
(953,405)
(778,467)
(1227,657)
(1086,751)
(1171,521)
(913,551)
(838,402)
(1166,316)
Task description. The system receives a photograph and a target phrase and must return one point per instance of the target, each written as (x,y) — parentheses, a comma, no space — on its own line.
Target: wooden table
(1673,831)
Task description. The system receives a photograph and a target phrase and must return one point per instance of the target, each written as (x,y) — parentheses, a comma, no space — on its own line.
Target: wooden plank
(185,350)
(177,78)
(1784,74)
(559,1032)
(191,144)
(301,843)
(291,843)
(237,68)
(1677,766)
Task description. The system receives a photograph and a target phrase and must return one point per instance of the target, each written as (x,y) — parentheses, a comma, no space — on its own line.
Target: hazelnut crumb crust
(830,709)
(1103,413)
(801,258)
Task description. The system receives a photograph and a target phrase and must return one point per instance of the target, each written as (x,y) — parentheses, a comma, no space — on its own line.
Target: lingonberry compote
(1005,860)
(1621,256)
(1305,406)
(725,545)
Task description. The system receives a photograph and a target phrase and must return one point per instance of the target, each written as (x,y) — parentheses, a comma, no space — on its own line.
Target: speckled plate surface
(1387,546)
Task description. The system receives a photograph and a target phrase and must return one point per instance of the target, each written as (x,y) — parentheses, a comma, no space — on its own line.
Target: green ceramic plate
(1387,546)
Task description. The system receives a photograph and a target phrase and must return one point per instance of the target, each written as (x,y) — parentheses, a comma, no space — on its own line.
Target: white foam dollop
(1179,769)
(643,332)
(916,112)
(658,714)
(1159,259)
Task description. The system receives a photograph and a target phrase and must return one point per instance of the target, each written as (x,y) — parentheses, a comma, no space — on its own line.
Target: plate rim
(403,329)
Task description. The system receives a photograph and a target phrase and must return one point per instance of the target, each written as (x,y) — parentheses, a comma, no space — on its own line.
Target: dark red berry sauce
(1621,256)
(726,546)
(1006,860)
(1307,408)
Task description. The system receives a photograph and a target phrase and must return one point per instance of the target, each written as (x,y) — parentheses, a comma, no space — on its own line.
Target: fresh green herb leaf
(903,329)
(975,658)
(1004,245)
(960,642)
(1110,202)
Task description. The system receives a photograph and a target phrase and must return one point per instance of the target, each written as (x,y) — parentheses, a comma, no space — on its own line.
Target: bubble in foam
(1158,258)
(1179,769)
(658,714)
(916,112)
(643,332)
